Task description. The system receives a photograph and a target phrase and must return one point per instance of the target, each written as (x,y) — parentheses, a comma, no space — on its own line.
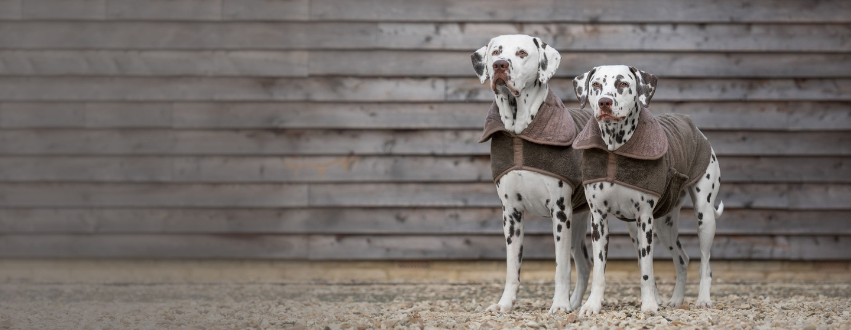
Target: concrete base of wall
(268,271)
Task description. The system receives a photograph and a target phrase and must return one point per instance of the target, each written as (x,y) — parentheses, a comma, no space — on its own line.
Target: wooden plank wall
(321,129)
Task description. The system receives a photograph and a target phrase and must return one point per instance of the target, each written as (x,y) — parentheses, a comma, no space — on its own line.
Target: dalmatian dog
(519,67)
(617,94)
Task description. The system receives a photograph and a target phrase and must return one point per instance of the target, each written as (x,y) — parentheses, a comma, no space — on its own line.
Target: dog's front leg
(562,216)
(644,223)
(600,247)
(512,227)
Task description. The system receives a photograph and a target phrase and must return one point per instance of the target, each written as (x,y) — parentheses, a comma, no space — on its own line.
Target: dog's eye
(596,84)
(495,52)
(623,84)
(522,53)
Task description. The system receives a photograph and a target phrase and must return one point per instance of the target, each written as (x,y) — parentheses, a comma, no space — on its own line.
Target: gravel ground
(405,306)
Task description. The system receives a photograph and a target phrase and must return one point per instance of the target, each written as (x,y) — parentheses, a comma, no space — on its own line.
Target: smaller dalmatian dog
(534,166)
(637,167)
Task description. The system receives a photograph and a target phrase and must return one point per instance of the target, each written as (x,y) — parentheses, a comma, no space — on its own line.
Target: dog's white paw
(559,305)
(650,307)
(500,308)
(591,308)
(675,302)
(703,304)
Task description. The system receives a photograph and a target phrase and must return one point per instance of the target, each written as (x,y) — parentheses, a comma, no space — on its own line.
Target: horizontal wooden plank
(164,9)
(385,89)
(154,63)
(391,63)
(821,116)
(154,246)
(370,247)
(145,195)
(63,9)
(30,195)
(10,9)
(282,142)
(297,169)
(664,65)
(581,11)
(398,35)
(377,221)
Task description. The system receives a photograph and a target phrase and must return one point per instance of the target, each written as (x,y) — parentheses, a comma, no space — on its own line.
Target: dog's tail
(720,210)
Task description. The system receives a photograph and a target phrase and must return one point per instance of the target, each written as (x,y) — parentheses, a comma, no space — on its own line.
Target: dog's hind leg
(580,257)
(562,213)
(667,231)
(703,194)
(512,227)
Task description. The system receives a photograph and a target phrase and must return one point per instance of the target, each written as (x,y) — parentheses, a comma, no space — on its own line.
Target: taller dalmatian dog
(637,167)
(534,167)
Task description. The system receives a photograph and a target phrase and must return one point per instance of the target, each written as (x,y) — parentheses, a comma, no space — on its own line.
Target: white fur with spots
(627,87)
(519,93)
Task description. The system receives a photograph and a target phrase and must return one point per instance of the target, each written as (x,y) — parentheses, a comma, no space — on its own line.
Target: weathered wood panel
(403,63)
(28,195)
(444,36)
(302,169)
(154,246)
(10,9)
(63,9)
(377,221)
(360,142)
(164,9)
(819,116)
(582,11)
(385,89)
(340,247)
(152,194)
(154,63)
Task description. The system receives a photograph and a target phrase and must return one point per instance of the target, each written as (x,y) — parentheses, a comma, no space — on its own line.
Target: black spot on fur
(520,255)
(671,248)
(651,202)
(478,65)
(708,197)
(700,215)
(649,237)
(544,61)
(558,228)
(600,256)
(561,216)
(519,198)
(697,188)
(682,262)
(560,183)
(567,224)
(535,40)
(517,215)
(679,245)
(558,238)
(707,175)
(645,277)
(508,240)
(560,203)
(595,232)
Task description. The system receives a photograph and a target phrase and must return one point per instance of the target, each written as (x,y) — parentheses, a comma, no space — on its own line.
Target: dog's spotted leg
(512,227)
(633,234)
(667,231)
(703,194)
(599,243)
(580,257)
(562,213)
(644,225)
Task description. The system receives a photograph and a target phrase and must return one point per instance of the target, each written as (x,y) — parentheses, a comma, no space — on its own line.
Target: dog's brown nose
(605,103)
(500,65)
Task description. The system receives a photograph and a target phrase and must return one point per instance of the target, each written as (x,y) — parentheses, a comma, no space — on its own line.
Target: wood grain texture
(154,63)
(328,89)
(138,35)
(582,11)
(164,10)
(63,9)
(291,142)
(384,63)
(154,246)
(376,221)
(32,195)
(10,9)
(777,116)
(357,247)
(328,169)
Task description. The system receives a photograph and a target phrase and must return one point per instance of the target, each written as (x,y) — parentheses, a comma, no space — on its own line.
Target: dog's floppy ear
(580,87)
(480,62)
(646,85)
(548,60)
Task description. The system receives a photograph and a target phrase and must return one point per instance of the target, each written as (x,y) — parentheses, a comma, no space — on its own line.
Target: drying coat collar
(647,142)
(553,125)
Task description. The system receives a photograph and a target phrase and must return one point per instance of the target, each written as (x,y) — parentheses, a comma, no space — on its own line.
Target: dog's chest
(621,201)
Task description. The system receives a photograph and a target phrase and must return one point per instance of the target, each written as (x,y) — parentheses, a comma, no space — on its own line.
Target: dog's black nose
(500,65)
(605,102)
